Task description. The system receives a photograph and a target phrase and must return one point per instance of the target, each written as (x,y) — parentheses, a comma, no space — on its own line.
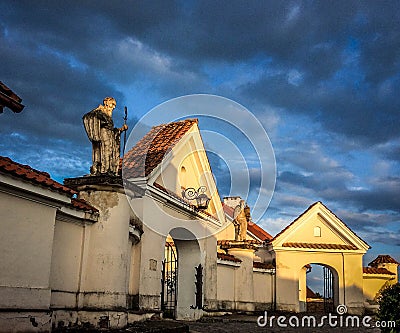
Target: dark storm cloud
(370,116)
(53,91)
(300,180)
(384,237)
(389,151)
(367,221)
(309,171)
(309,167)
(312,49)
(382,195)
(110,38)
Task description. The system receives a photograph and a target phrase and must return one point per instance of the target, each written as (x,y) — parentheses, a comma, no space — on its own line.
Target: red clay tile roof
(383,259)
(374,270)
(320,246)
(31,175)
(310,293)
(259,232)
(149,152)
(228,257)
(227,242)
(228,210)
(81,204)
(263,265)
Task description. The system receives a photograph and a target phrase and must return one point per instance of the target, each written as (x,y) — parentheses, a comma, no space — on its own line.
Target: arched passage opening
(318,288)
(178,282)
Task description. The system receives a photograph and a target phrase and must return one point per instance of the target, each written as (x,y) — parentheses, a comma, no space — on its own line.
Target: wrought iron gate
(169,282)
(328,290)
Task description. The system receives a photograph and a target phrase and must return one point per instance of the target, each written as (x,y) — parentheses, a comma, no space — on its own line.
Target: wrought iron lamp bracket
(199,195)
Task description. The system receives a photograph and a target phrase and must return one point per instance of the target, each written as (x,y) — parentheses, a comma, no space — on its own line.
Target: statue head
(109,105)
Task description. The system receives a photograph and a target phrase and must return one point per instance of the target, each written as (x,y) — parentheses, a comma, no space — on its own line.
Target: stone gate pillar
(104,277)
(244,285)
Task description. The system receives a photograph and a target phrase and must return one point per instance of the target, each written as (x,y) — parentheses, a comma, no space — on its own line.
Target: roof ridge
(26,166)
(194,120)
(383,259)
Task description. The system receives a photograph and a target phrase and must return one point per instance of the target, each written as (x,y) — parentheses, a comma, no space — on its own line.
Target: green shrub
(389,307)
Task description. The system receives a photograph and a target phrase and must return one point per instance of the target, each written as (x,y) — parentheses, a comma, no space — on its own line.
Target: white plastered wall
(26,237)
(66,273)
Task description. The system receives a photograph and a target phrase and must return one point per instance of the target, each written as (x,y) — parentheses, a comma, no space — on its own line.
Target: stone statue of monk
(105,138)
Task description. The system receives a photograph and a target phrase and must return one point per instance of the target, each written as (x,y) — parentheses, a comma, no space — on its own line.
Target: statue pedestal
(104,181)
(105,269)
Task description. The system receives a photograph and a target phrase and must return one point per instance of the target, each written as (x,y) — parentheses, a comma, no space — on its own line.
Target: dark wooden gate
(169,282)
(328,290)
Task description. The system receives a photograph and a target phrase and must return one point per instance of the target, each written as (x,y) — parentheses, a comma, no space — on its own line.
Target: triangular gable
(318,228)
(172,157)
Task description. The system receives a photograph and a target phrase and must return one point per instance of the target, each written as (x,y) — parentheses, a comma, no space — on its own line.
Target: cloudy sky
(322,77)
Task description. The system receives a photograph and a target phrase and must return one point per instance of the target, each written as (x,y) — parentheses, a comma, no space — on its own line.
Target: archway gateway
(180,294)
(321,289)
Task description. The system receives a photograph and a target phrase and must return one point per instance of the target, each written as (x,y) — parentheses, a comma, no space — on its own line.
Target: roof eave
(300,249)
(188,209)
(7,101)
(33,191)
